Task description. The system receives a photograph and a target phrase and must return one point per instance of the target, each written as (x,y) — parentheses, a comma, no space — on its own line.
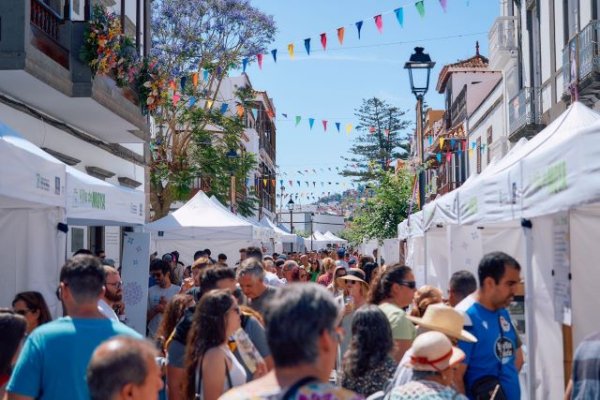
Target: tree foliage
(381,139)
(193,134)
(383,208)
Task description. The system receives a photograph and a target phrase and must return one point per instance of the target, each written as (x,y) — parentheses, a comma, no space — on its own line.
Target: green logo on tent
(554,179)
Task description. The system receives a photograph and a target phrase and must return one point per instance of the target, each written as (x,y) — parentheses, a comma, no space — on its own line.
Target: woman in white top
(211,368)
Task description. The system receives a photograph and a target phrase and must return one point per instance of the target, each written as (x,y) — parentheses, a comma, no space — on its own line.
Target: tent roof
(30,177)
(200,218)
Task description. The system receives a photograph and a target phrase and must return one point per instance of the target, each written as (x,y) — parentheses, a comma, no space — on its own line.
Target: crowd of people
(330,324)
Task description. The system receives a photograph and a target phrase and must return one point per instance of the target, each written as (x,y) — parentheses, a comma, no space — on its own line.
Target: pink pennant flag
(176,98)
(387,132)
(259,58)
(324,41)
(325,125)
(448,156)
(444,4)
(379,23)
(372,129)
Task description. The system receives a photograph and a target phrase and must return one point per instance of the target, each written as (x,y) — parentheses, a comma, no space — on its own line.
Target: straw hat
(445,319)
(433,351)
(353,274)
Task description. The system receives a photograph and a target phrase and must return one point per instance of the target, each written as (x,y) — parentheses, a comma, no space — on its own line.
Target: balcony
(40,67)
(524,114)
(503,42)
(458,109)
(581,64)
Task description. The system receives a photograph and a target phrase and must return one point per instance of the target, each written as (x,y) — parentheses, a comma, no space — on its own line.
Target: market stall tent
(200,224)
(94,202)
(32,204)
(334,239)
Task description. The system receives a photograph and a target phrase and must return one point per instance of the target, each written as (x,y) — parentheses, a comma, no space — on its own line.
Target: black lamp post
(419,70)
(290,206)
(232,155)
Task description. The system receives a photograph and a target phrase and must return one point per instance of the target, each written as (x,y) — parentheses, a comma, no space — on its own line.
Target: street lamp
(290,206)
(232,156)
(419,68)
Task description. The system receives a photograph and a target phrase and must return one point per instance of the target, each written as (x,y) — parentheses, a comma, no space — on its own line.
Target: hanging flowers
(102,41)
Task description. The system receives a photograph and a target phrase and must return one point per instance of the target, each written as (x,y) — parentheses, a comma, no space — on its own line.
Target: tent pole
(529,307)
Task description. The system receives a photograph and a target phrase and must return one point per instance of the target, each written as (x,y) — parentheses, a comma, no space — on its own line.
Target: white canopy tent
(281,235)
(200,224)
(262,233)
(552,182)
(32,204)
(334,239)
(92,201)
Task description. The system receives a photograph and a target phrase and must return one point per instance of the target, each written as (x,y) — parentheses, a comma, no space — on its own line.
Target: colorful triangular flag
(195,79)
(359,25)
(274,54)
(340,34)
(311,122)
(420,5)
(324,125)
(244,64)
(379,23)
(259,58)
(337,125)
(307,45)
(291,50)
(298,118)
(324,41)
(400,16)
(443,3)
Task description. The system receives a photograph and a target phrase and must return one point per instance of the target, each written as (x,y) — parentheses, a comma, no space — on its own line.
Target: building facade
(49,95)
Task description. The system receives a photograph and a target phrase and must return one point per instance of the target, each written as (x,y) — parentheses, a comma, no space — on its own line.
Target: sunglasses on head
(408,284)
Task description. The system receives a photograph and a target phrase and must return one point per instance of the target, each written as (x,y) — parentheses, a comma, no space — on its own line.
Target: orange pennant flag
(172,85)
(340,33)
(195,79)
(240,110)
(291,50)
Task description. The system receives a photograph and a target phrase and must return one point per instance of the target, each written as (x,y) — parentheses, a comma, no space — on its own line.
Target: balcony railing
(524,109)
(459,107)
(581,56)
(45,19)
(503,35)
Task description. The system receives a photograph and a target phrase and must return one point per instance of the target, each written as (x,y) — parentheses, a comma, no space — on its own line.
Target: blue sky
(331,84)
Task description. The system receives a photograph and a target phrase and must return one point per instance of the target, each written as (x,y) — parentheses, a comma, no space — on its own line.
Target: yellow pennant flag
(442,143)
(265,182)
(209,103)
(348,128)
(291,50)
(470,152)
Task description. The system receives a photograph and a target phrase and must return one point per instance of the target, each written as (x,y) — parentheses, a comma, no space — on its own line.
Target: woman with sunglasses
(393,291)
(33,307)
(356,296)
(337,286)
(211,367)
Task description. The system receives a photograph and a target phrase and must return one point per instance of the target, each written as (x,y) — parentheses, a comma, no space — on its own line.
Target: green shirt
(402,328)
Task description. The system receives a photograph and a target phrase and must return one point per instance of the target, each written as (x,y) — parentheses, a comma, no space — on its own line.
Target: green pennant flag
(298,118)
(420,7)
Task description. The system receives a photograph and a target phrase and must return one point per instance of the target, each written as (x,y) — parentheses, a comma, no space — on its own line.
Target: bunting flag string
(420,5)
(359,25)
(307,45)
(274,54)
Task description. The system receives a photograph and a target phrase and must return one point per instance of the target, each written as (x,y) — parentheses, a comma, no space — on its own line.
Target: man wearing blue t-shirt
(493,355)
(54,359)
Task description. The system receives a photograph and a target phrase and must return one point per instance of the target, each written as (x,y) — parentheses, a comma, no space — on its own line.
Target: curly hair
(208,330)
(381,285)
(424,297)
(172,314)
(371,342)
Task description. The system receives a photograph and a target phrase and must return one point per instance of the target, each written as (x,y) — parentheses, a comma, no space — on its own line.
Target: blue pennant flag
(274,53)
(359,25)
(438,156)
(255,113)
(244,64)
(224,107)
(337,125)
(400,15)
(192,101)
(183,80)
(205,74)
(311,122)
(307,45)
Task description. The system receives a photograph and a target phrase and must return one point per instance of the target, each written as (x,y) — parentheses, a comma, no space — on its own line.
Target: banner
(134,273)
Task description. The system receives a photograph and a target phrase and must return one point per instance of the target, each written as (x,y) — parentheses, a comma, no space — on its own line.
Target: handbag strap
(292,390)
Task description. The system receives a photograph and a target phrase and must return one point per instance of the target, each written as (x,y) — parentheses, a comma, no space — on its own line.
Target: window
(489,144)
(478,149)
(571,18)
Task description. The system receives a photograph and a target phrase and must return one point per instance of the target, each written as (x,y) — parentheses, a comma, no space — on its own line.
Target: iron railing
(581,55)
(44,18)
(525,109)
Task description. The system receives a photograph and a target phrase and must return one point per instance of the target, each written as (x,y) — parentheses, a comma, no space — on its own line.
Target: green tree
(193,135)
(379,215)
(381,139)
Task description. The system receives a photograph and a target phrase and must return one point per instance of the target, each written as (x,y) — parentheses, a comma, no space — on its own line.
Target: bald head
(124,367)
